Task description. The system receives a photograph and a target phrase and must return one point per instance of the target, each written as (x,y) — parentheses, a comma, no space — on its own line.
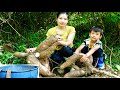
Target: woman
(67,34)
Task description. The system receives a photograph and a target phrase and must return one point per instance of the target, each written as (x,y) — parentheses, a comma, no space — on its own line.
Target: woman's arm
(69,40)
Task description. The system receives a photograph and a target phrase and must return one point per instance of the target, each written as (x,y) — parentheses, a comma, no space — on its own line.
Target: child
(93,46)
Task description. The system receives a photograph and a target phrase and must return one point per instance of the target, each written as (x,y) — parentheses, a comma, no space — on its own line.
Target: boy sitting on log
(90,52)
(93,47)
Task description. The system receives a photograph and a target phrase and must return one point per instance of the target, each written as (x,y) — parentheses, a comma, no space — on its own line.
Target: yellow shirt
(64,36)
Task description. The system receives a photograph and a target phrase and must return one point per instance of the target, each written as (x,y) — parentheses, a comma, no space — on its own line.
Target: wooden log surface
(70,61)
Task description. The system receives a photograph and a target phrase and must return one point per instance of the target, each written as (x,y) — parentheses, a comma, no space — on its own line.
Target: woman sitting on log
(67,34)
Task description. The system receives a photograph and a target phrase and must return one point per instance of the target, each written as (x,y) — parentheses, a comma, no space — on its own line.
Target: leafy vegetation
(28,29)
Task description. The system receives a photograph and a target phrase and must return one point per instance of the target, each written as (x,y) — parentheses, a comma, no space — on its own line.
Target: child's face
(95,35)
(62,20)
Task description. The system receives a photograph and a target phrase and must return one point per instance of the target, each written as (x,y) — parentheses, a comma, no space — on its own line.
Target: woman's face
(62,19)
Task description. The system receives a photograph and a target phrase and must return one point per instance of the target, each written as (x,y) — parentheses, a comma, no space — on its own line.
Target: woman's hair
(58,14)
(97,29)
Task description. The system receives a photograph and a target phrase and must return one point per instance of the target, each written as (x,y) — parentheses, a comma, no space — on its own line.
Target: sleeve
(72,30)
(84,42)
(48,34)
(100,44)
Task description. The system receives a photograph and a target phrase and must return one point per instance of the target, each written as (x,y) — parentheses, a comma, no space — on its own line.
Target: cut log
(47,43)
(43,69)
(84,72)
(41,54)
(48,51)
(20,54)
(70,61)
(105,72)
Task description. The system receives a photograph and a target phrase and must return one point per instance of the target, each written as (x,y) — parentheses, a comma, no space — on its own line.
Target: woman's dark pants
(58,55)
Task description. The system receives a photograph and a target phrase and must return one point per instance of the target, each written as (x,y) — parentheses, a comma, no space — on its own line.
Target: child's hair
(97,29)
(61,13)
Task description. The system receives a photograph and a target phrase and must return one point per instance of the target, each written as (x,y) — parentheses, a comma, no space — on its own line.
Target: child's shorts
(98,57)
(99,62)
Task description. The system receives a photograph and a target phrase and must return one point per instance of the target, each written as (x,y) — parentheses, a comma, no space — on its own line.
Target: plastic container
(20,71)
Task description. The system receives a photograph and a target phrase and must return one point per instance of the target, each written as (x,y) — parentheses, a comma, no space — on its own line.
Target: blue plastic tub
(20,71)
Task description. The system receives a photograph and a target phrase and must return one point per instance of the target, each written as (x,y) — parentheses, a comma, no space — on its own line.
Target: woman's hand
(58,37)
(60,42)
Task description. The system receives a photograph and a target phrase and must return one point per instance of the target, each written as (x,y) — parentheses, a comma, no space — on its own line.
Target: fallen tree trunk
(84,72)
(43,69)
(105,72)
(48,51)
(47,43)
(43,51)
(20,54)
(72,59)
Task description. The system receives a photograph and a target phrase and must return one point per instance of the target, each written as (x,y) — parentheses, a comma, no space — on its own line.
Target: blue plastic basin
(20,71)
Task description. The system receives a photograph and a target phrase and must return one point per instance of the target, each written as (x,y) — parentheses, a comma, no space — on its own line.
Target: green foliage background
(28,29)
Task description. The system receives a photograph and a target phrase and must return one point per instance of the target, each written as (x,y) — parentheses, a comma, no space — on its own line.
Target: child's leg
(98,58)
(98,53)
(100,64)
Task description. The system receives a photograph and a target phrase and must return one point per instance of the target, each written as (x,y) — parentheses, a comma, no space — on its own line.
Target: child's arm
(77,51)
(96,47)
(91,51)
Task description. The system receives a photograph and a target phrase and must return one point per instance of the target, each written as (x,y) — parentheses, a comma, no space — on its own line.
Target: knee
(67,51)
(98,53)
(57,58)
